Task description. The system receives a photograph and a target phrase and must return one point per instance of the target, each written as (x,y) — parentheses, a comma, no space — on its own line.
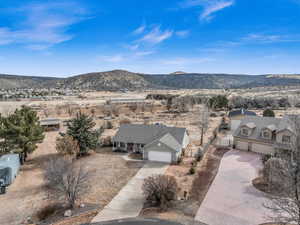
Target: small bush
(265,158)
(160,190)
(213,115)
(192,170)
(48,211)
(199,155)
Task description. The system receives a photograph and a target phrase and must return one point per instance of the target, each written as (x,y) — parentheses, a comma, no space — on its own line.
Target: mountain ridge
(121,79)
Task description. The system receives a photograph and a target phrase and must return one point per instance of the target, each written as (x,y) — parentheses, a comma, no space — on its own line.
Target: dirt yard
(27,195)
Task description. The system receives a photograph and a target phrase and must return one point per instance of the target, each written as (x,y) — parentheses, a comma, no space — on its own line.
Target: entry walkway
(129,201)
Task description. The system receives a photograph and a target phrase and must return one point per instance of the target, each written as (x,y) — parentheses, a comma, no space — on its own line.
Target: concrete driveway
(231,199)
(130,200)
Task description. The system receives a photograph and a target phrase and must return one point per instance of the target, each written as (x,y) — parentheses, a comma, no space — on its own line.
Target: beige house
(265,135)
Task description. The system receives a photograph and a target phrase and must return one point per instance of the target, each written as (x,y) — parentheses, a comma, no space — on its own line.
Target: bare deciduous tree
(70,110)
(285,205)
(160,190)
(203,121)
(66,179)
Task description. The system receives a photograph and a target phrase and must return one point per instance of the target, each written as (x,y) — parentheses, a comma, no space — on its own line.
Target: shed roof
(241,112)
(49,121)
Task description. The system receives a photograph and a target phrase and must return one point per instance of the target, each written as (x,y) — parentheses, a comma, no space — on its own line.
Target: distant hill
(15,81)
(121,79)
(178,73)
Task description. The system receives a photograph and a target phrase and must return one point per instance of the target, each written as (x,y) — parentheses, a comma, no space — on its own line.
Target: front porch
(128,147)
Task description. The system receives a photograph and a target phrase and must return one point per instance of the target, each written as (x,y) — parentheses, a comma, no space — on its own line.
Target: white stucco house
(156,142)
(265,135)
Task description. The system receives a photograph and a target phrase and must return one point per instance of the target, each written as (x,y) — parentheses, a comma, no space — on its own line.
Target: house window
(122,144)
(245,132)
(266,134)
(286,139)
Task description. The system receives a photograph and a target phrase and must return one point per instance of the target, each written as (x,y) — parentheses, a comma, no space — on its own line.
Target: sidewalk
(130,200)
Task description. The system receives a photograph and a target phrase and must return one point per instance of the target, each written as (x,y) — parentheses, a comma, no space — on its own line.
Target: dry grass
(27,195)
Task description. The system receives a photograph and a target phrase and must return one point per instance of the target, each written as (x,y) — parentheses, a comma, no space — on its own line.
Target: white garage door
(241,145)
(265,149)
(160,156)
(234,124)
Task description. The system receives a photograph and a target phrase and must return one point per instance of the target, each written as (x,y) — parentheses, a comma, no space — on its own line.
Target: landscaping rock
(68,213)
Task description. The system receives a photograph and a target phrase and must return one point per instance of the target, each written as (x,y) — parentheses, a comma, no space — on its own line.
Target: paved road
(231,199)
(130,200)
(138,221)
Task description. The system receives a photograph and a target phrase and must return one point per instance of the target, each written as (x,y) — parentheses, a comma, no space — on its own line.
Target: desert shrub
(67,145)
(258,102)
(218,102)
(160,190)
(48,211)
(199,155)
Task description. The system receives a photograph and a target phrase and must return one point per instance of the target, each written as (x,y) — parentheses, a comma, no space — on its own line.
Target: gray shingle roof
(145,134)
(241,112)
(169,141)
(274,124)
(260,123)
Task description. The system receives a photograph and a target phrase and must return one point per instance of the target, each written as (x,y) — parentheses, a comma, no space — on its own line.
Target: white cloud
(182,33)
(139,30)
(44,25)
(144,53)
(265,38)
(210,7)
(156,36)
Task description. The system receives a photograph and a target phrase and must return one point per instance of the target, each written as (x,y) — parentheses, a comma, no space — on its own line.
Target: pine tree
(20,132)
(81,129)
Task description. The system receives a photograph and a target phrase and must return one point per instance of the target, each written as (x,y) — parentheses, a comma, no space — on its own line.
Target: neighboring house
(155,142)
(266,135)
(50,124)
(236,116)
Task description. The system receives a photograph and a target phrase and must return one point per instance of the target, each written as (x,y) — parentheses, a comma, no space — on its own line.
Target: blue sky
(63,38)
